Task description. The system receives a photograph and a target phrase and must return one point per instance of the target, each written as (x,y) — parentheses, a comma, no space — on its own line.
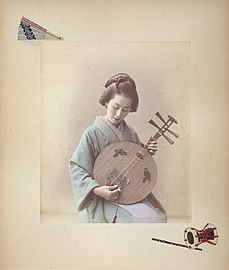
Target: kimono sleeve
(81,172)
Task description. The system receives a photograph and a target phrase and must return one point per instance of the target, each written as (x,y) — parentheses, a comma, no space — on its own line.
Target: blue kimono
(94,208)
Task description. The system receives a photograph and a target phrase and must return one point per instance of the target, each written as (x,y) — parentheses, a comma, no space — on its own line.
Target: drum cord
(205,234)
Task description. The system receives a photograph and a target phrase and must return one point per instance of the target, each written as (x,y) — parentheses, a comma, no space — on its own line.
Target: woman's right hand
(109,193)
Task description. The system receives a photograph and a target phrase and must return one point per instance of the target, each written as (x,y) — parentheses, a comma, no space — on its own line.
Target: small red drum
(193,237)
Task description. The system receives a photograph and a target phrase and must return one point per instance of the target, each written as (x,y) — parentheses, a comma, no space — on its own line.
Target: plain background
(71,75)
(28,244)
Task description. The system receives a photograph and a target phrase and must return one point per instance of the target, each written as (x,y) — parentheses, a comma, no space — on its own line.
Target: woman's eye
(123,110)
(126,110)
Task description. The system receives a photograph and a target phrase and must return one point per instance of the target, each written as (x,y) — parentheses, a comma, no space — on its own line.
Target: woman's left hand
(152,148)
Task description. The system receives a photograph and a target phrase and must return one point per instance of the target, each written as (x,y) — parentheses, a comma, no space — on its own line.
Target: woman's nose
(119,113)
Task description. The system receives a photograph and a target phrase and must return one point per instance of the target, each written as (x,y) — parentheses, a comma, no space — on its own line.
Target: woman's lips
(116,119)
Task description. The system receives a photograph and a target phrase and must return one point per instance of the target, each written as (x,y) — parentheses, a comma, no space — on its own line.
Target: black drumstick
(174,244)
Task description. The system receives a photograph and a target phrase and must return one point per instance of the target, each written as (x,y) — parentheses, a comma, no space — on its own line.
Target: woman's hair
(120,83)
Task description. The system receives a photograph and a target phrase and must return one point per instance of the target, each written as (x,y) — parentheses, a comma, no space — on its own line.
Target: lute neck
(151,139)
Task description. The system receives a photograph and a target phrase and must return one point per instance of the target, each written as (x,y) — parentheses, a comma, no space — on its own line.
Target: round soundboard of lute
(129,166)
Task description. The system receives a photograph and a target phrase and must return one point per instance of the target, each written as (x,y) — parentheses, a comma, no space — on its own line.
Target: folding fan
(29,30)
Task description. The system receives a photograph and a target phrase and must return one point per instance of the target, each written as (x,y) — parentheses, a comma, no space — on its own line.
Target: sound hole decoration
(117,178)
(147,175)
(131,166)
(119,152)
(139,156)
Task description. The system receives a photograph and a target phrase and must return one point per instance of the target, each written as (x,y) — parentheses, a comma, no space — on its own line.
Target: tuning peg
(173,133)
(160,117)
(168,139)
(172,119)
(153,123)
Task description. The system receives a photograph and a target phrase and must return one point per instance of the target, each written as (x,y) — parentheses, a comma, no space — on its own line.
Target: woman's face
(118,108)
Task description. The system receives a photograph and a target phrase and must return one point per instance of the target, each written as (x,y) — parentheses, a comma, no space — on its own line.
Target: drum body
(193,237)
(128,165)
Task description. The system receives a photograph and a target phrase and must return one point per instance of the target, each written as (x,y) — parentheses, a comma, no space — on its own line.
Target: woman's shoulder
(92,130)
(131,129)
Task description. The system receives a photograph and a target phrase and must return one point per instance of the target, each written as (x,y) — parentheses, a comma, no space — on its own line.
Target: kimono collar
(117,130)
(109,133)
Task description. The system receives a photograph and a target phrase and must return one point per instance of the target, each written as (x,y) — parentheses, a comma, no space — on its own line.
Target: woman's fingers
(152,147)
(109,193)
(113,187)
(114,192)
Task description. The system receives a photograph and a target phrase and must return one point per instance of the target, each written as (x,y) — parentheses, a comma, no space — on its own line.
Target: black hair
(120,83)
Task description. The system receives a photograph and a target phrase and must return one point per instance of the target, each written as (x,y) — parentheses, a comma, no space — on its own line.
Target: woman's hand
(152,148)
(109,193)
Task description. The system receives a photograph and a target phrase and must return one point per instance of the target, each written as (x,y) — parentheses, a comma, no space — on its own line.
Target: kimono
(93,208)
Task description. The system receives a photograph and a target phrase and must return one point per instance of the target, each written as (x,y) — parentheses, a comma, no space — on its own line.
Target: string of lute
(158,134)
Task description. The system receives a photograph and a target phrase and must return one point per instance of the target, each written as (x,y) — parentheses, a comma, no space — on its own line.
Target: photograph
(93,105)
